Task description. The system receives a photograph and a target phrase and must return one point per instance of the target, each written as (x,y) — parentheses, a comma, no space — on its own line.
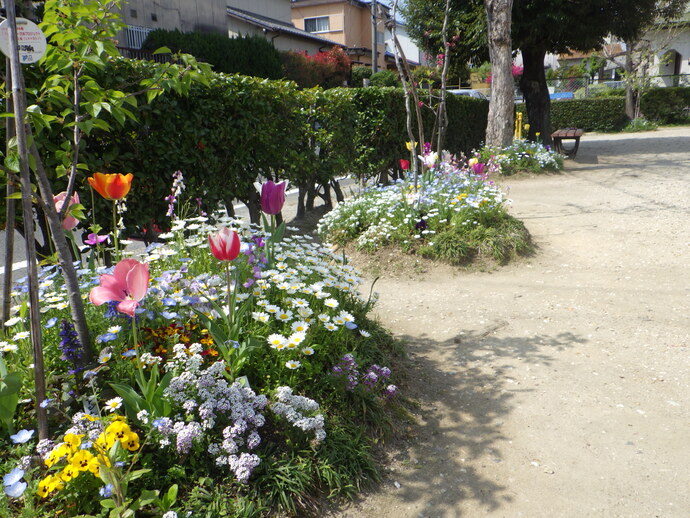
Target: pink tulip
(127,285)
(95,239)
(272,197)
(59,199)
(478,168)
(225,245)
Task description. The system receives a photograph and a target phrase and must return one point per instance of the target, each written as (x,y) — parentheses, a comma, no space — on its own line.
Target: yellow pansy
(73,441)
(49,484)
(57,454)
(131,441)
(82,460)
(69,473)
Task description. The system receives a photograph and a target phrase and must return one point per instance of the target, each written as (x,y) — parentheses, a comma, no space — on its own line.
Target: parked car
(468,91)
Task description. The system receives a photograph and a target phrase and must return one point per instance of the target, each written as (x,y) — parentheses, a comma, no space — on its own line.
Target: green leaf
(108,503)
(12,162)
(138,474)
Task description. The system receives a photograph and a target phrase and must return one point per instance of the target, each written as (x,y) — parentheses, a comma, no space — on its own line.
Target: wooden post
(18,97)
(10,213)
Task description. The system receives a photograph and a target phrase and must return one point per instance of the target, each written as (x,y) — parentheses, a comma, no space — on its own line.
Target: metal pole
(374,43)
(18,96)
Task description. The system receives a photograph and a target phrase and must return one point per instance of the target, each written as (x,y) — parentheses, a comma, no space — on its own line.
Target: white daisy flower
(293,364)
(113,404)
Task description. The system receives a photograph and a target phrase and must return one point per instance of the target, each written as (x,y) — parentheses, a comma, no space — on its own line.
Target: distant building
(350,23)
(268,18)
(670,43)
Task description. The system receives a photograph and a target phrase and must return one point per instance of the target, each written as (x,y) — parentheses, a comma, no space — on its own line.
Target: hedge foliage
(228,135)
(250,55)
(667,105)
(598,114)
(664,105)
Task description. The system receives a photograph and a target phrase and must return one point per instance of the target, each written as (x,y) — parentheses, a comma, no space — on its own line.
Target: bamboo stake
(10,209)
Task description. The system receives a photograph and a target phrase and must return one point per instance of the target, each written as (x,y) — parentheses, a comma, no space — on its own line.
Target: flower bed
(219,388)
(453,213)
(522,155)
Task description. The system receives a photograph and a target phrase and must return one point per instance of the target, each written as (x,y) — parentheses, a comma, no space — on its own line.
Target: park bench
(560,135)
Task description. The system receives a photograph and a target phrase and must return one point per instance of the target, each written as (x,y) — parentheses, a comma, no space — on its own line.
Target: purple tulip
(478,168)
(272,197)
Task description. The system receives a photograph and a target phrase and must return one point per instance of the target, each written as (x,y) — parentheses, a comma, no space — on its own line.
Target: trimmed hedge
(598,114)
(667,105)
(238,129)
(249,55)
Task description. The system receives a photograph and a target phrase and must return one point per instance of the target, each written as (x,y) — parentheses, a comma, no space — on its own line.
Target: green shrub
(359,73)
(667,105)
(640,124)
(598,114)
(385,78)
(248,55)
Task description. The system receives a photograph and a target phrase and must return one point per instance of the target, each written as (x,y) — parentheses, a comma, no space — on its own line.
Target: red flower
(404,164)
(225,245)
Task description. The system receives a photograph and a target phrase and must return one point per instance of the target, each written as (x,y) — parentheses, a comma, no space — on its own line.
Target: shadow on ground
(464,392)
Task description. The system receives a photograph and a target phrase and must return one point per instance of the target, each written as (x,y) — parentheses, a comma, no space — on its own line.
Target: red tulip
(404,164)
(59,200)
(272,197)
(127,285)
(225,245)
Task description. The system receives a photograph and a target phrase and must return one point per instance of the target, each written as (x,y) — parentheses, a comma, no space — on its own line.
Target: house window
(154,17)
(320,24)
(133,13)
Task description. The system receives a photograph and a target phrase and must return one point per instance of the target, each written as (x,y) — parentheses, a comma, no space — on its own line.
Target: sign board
(30,38)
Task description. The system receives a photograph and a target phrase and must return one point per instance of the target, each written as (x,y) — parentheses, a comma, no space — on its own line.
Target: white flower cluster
(225,416)
(293,407)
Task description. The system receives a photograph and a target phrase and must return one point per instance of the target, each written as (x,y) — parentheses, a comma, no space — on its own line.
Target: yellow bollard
(518,126)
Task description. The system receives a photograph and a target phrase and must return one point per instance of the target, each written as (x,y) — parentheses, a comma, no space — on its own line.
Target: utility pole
(374,43)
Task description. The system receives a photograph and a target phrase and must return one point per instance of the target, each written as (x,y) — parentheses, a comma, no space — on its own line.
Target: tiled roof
(274,25)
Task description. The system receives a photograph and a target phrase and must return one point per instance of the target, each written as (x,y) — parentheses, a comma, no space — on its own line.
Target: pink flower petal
(128,307)
(138,280)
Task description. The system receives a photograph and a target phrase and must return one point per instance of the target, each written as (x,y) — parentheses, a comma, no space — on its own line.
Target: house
(268,18)
(350,23)
(670,43)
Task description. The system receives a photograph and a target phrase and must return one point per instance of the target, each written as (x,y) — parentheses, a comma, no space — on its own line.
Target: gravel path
(558,386)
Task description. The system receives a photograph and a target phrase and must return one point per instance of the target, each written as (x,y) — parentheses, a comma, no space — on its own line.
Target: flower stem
(115,242)
(230,296)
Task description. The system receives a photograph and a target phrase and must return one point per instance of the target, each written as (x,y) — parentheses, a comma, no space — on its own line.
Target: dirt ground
(559,385)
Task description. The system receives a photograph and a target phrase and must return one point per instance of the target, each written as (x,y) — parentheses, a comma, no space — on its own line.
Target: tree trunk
(254,206)
(629,72)
(536,92)
(301,210)
(499,129)
(338,191)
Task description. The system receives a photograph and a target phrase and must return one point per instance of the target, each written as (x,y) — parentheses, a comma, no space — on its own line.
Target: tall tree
(499,128)
(541,26)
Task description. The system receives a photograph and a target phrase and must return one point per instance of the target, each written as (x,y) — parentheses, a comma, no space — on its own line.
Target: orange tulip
(111,186)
